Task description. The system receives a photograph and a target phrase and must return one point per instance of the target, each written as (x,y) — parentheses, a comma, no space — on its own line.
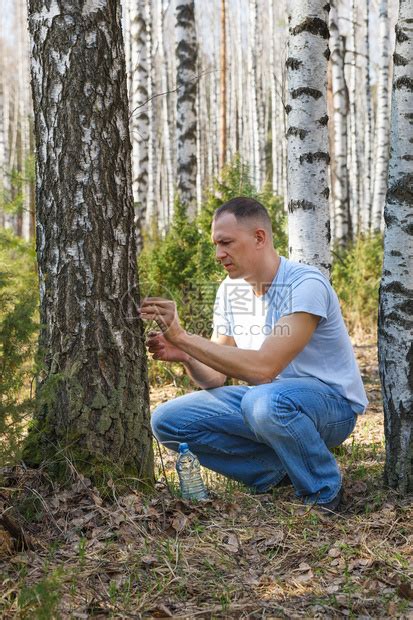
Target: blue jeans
(257,434)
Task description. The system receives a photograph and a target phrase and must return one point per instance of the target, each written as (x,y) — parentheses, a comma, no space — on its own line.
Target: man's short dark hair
(243,209)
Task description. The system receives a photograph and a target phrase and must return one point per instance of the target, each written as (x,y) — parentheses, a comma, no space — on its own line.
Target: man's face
(235,245)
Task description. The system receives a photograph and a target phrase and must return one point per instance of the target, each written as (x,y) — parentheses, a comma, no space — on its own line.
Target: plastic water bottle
(189,472)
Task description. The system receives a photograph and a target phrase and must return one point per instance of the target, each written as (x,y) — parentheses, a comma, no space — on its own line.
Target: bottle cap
(183,447)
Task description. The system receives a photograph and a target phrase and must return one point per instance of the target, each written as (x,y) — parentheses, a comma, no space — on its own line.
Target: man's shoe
(333,505)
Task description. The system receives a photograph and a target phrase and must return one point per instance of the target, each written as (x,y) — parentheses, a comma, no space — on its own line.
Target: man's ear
(260,236)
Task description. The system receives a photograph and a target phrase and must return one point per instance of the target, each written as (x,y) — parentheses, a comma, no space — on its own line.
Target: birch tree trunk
(368,127)
(139,114)
(254,147)
(223,101)
(340,109)
(150,203)
(23,82)
(382,149)
(93,392)
(186,82)
(165,213)
(395,332)
(353,127)
(308,221)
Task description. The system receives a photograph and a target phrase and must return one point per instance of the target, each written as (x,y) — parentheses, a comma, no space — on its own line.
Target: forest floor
(237,555)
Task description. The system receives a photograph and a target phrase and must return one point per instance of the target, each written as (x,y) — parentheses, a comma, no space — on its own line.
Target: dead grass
(235,556)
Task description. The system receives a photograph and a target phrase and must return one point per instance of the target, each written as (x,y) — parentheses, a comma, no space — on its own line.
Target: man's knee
(162,422)
(262,407)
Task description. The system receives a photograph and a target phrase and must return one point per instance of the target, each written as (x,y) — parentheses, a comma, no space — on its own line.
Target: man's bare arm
(289,338)
(204,376)
(200,373)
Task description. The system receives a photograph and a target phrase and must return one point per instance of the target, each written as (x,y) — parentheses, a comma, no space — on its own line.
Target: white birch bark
(353,126)
(340,108)
(395,333)
(150,202)
(252,95)
(23,107)
(167,196)
(186,82)
(308,222)
(139,113)
(382,146)
(368,129)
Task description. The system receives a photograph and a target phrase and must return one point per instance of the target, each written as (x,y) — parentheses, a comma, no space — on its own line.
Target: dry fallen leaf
(231,543)
(6,543)
(179,522)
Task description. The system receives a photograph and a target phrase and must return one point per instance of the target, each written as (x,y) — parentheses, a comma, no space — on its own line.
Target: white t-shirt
(329,355)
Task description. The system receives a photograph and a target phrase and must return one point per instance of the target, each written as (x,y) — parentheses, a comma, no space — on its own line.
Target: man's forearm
(201,374)
(246,365)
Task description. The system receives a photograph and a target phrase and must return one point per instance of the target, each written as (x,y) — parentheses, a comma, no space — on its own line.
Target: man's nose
(219,253)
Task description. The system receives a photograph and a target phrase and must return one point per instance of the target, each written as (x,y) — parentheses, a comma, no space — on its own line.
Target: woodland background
(87,550)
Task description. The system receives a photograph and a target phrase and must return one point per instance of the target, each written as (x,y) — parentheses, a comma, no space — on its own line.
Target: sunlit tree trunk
(92,396)
(138,97)
(382,146)
(150,202)
(353,126)
(186,83)
(308,221)
(368,126)
(223,84)
(395,333)
(339,120)
(252,95)
(165,213)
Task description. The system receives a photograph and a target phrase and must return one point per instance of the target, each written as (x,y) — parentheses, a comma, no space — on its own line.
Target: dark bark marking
(395,253)
(288,109)
(327,53)
(306,90)
(305,205)
(314,25)
(400,35)
(325,192)
(404,82)
(296,131)
(327,7)
(323,120)
(293,63)
(400,60)
(310,158)
(402,190)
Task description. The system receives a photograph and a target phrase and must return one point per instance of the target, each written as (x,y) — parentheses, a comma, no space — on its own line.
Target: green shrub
(18,330)
(356,277)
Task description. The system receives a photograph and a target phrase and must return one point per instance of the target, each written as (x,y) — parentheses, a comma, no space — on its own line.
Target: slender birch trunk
(308,222)
(168,196)
(223,84)
(139,114)
(92,395)
(395,332)
(252,95)
(340,110)
(150,202)
(353,127)
(23,81)
(382,147)
(368,126)
(186,82)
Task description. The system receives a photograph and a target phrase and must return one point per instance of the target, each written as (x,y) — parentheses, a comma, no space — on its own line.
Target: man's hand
(164,313)
(163,350)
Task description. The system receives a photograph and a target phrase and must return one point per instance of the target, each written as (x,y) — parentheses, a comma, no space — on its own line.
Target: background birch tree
(308,191)
(395,332)
(93,389)
(186,122)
